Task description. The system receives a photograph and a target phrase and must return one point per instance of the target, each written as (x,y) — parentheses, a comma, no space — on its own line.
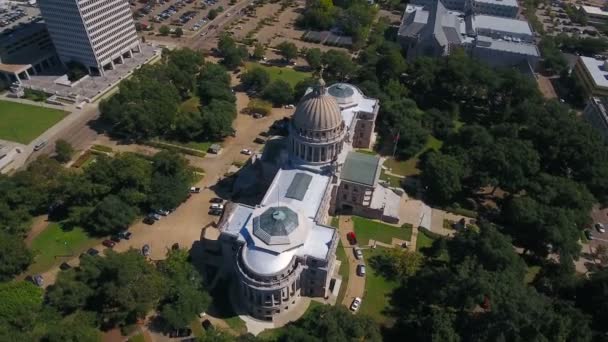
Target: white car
(600,227)
(358,253)
(246,152)
(290,106)
(216,206)
(355,305)
(39,145)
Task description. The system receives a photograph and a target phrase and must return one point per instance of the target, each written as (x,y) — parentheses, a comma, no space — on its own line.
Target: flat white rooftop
(597,11)
(510,3)
(493,23)
(597,70)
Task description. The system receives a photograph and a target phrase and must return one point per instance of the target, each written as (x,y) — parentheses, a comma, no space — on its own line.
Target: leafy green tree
(232,54)
(319,14)
(288,50)
(442,175)
(302,86)
(212,13)
(170,180)
(20,301)
(14,256)
(338,66)
(164,30)
(79,327)
(68,294)
(278,92)
(314,58)
(217,119)
(255,78)
(332,323)
(592,298)
(178,32)
(439,123)
(186,297)
(214,84)
(63,151)
(110,216)
(258,51)
(182,65)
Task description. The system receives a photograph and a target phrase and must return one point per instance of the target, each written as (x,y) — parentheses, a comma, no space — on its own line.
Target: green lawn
(423,241)
(55,245)
(236,324)
(377,291)
(22,123)
(191,105)
(410,167)
(335,222)
(197,145)
(137,338)
(392,180)
(289,75)
(367,229)
(366,151)
(343,271)
(531,273)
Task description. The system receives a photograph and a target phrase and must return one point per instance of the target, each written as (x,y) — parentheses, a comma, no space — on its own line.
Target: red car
(109,243)
(351,238)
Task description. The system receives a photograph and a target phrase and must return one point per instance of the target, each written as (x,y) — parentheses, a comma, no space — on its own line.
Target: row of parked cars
(600,229)
(352,239)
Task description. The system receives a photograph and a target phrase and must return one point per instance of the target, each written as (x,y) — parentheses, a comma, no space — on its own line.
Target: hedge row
(176,148)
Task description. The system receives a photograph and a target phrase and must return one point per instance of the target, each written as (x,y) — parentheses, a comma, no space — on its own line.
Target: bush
(259,106)
(102,148)
(428,233)
(175,148)
(76,71)
(35,95)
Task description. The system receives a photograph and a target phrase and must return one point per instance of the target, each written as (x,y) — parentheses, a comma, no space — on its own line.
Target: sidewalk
(356,284)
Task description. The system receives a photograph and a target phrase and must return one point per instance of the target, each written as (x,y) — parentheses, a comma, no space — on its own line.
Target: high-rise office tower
(95,33)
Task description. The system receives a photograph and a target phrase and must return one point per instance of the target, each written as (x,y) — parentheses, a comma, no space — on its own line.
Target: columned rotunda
(317,129)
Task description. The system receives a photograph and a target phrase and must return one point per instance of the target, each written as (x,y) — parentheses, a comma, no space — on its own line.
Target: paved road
(356,284)
(209,40)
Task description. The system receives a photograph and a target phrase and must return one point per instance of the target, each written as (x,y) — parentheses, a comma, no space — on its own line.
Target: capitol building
(274,253)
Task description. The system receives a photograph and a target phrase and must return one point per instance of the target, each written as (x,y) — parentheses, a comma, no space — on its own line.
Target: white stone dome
(317,111)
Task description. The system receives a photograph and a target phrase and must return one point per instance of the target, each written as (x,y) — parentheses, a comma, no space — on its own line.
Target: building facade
(434,30)
(95,33)
(281,249)
(498,8)
(592,74)
(596,113)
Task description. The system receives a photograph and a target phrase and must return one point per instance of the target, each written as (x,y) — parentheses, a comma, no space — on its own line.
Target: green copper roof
(275,224)
(360,168)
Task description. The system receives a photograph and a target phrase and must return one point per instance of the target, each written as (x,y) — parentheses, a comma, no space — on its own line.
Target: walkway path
(39,224)
(356,284)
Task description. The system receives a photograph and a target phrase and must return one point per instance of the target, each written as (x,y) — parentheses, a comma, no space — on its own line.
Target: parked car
(588,234)
(216,206)
(116,238)
(92,252)
(358,253)
(145,250)
(600,227)
(257,115)
(216,200)
(259,140)
(290,106)
(39,145)
(195,190)
(64,266)
(125,234)
(356,304)
(163,212)
(215,212)
(361,270)
(149,219)
(207,324)
(109,243)
(246,152)
(37,280)
(352,238)
(154,215)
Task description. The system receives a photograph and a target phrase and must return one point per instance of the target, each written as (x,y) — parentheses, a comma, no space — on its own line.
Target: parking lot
(17,14)
(555,21)
(189,15)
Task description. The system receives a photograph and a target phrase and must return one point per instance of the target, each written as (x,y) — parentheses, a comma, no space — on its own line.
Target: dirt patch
(546,87)
(40,223)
